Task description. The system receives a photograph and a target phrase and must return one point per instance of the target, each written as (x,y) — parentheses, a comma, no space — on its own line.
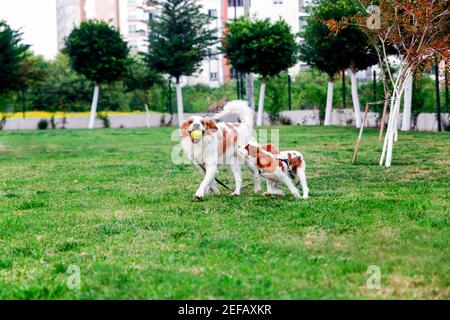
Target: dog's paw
(296,195)
(214,190)
(235,194)
(305,196)
(278,192)
(199,196)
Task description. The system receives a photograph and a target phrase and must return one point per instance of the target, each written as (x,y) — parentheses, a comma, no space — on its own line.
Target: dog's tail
(239,108)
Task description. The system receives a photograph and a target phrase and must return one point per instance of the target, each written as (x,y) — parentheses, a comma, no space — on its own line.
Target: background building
(215,70)
(131,18)
(70,13)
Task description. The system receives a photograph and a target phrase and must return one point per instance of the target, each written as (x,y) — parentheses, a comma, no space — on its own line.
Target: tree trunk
(406,121)
(329,105)
(355,98)
(262,94)
(249,78)
(93,114)
(250,91)
(180,103)
(392,133)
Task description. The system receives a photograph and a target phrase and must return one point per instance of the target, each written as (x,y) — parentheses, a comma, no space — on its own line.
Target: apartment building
(215,70)
(70,13)
(131,18)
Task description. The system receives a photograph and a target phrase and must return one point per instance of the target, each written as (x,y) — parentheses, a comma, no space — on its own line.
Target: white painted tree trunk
(250,91)
(392,132)
(180,104)
(93,114)
(406,121)
(329,106)
(262,94)
(355,98)
(147,118)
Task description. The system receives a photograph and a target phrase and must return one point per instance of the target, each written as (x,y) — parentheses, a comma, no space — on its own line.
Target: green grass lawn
(111,202)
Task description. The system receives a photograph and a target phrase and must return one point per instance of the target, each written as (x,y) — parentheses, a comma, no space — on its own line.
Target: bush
(105,119)
(42,124)
(276,96)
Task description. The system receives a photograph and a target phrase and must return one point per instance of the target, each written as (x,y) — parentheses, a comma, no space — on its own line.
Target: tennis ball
(196,134)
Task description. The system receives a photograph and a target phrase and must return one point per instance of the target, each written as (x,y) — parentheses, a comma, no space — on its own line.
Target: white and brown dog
(217,143)
(276,166)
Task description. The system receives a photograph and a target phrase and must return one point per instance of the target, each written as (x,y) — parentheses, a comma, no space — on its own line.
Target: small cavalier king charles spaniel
(276,166)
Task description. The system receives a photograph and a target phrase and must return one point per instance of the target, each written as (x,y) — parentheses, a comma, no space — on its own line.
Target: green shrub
(103,116)
(42,124)
(276,96)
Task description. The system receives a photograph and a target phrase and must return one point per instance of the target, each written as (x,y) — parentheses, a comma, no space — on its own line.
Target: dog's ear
(271,148)
(252,151)
(294,161)
(265,161)
(210,124)
(184,127)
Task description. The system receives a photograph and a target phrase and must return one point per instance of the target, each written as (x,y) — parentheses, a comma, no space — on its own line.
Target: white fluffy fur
(206,153)
(273,177)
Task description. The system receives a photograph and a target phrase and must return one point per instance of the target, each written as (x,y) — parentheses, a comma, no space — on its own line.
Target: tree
(139,76)
(418,31)
(32,73)
(98,52)
(12,55)
(261,47)
(324,49)
(358,49)
(180,39)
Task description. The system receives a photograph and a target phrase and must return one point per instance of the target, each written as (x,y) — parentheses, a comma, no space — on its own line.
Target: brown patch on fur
(271,148)
(222,142)
(228,138)
(184,127)
(210,124)
(295,162)
(264,161)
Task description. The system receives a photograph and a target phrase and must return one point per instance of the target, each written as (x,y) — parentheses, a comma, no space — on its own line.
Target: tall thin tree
(181,37)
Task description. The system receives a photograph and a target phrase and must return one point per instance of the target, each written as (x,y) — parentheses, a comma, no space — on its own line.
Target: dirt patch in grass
(314,238)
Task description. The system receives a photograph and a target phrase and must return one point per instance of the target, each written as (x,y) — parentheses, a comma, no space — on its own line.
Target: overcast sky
(37,18)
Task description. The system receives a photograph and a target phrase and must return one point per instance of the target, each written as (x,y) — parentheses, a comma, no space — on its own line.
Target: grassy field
(112,203)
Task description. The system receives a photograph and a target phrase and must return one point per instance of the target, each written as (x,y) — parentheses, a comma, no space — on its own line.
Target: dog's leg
(236,170)
(256,178)
(301,175)
(210,173)
(212,186)
(288,182)
(269,188)
(275,190)
(272,189)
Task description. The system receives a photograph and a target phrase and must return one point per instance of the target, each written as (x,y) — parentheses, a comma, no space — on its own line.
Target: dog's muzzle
(196,133)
